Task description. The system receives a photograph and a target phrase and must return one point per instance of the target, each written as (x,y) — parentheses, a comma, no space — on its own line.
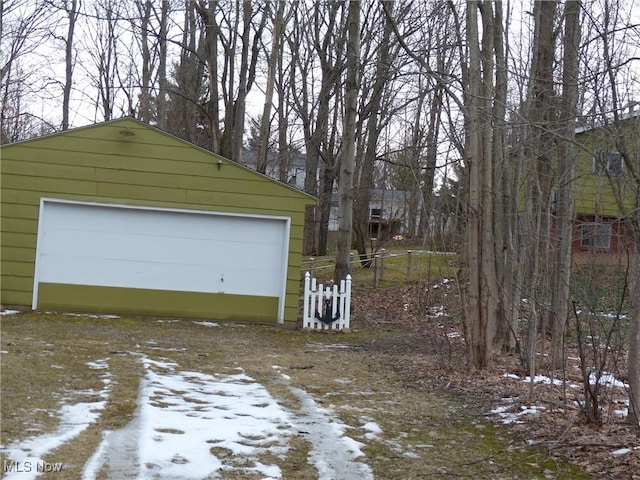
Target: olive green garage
(123,218)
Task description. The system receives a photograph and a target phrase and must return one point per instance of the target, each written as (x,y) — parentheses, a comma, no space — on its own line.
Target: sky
(45,62)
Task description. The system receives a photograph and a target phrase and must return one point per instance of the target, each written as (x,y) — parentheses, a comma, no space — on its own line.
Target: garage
(122,218)
(158,249)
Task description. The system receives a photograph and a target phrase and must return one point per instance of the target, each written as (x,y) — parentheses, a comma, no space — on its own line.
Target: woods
(486,115)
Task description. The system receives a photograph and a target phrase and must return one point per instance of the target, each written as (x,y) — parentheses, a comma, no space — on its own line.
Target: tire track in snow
(332,453)
(184,419)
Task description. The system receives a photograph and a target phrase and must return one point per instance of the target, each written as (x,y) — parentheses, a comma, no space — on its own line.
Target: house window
(376,212)
(607,163)
(595,235)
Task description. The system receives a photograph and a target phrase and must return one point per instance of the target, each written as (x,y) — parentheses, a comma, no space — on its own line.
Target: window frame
(603,161)
(601,230)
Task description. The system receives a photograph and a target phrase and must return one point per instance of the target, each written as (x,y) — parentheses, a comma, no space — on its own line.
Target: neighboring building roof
(632,111)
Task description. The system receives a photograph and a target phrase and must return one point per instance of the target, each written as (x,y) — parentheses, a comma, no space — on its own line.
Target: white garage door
(118,246)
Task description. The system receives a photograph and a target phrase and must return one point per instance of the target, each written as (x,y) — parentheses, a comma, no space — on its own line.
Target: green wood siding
(157,302)
(596,194)
(151,168)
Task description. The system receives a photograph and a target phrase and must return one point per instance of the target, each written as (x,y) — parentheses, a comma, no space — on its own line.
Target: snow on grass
(621,451)
(436,311)
(332,453)
(543,379)
(207,324)
(372,428)
(508,414)
(606,379)
(191,425)
(185,418)
(90,315)
(74,418)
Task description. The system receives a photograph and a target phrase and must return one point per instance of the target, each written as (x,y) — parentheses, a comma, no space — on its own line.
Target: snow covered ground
(509,412)
(190,425)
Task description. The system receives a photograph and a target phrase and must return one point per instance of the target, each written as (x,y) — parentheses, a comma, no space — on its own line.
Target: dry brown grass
(425,433)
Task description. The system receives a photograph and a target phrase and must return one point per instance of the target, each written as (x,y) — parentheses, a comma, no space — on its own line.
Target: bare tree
(278,26)
(540,113)
(371,113)
(186,92)
(23,27)
(162,66)
(206,55)
(345,189)
(617,35)
(482,109)
(284,110)
(102,71)
(71,8)
(566,159)
(144,11)
(317,46)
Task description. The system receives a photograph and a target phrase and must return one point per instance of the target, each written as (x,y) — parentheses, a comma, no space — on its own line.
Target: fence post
(350,262)
(306,315)
(312,301)
(335,307)
(312,264)
(383,253)
(347,304)
(376,261)
(409,264)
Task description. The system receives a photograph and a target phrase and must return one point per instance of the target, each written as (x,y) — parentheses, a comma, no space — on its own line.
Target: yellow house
(605,190)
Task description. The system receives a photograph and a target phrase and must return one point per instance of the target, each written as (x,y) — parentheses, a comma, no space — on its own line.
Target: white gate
(326,308)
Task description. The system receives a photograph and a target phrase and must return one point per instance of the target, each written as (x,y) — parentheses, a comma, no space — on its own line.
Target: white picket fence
(326,308)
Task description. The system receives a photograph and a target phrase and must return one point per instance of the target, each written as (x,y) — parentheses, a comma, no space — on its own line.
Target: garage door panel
(121,273)
(122,246)
(172,250)
(161,250)
(151,223)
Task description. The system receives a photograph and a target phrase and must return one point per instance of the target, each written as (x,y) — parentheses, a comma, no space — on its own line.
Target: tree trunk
(504,218)
(144,110)
(283,125)
(541,120)
(189,74)
(345,187)
(327,182)
(566,166)
(482,295)
(162,67)
(633,415)
(431,154)
(72,14)
(265,124)
(213,33)
(361,205)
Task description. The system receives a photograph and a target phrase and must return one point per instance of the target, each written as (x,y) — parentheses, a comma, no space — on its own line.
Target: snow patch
(208,324)
(74,419)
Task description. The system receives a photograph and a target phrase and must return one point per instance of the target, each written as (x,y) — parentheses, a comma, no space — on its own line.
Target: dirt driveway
(155,398)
